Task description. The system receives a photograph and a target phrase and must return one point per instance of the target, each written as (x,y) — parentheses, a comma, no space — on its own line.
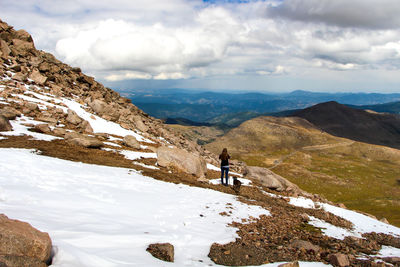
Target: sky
(269,45)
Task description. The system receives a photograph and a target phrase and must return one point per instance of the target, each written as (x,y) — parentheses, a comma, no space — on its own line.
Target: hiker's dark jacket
(224,162)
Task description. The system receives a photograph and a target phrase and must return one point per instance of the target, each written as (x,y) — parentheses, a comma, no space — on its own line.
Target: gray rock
(10,113)
(89,142)
(269,179)
(131,141)
(73,118)
(42,128)
(181,159)
(4,124)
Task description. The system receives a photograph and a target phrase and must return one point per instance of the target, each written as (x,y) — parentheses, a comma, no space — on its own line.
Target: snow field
(104,216)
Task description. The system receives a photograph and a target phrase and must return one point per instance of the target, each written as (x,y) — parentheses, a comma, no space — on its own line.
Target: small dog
(236,185)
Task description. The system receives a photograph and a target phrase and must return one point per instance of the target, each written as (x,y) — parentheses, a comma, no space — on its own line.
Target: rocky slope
(58,111)
(360,175)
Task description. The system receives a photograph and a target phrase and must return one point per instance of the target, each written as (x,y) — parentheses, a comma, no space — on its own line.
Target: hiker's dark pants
(225,170)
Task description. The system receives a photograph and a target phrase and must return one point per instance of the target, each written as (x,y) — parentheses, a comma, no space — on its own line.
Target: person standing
(224,157)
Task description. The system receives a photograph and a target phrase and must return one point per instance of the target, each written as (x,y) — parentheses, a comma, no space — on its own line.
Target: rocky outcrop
(4,124)
(269,179)
(162,251)
(181,159)
(23,245)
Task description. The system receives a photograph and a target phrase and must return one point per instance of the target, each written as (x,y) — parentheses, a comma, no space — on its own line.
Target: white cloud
(375,14)
(179,39)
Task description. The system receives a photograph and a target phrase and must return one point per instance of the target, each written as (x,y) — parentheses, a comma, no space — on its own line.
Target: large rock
(18,261)
(4,49)
(98,106)
(22,47)
(131,141)
(86,141)
(37,77)
(4,124)
(181,159)
(73,117)
(42,128)
(339,260)
(270,179)
(163,251)
(10,113)
(20,242)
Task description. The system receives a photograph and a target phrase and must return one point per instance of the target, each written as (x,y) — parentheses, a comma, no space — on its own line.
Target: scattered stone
(5,125)
(290,264)
(19,241)
(42,128)
(302,244)
(47,119)
(339,260)
(181,159)
(162,251)
(131,141)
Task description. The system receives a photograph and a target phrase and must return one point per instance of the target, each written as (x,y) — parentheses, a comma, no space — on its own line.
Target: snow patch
(106,216)
(134,155)
(101,125)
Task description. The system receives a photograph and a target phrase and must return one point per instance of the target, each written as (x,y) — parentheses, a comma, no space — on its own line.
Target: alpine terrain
(88,179)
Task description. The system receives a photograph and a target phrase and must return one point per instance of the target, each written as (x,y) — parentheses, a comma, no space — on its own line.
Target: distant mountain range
(226,108)
(355,124)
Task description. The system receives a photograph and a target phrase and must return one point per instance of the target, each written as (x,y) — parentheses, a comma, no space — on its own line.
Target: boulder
(73,118)
(23,35)
(181,159)
(22,47)
(59,131)
(4,124)
(131,141)
(86,141)
(86,127)
(269,179)
(302,244)
(4,49)
(19,241)
(18,261)
(37,77)
(339,259)
(98,106)
(290,264)
(162,251)
(139,124)
(10,113)
(31,106)
(42,128)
